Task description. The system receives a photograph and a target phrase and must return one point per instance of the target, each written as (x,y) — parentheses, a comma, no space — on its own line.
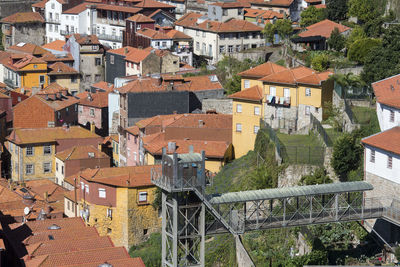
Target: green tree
(284,30)
(336,9)
(365,10)
(269,32)
(397,253)
(233,84)
(360,49)
(320,62)
(149,251)
(311,15)
(346,155)
(319,176)
(356,34)
(336,41)
(381,63)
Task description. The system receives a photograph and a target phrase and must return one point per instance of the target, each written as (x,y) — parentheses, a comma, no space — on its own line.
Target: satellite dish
(26,210)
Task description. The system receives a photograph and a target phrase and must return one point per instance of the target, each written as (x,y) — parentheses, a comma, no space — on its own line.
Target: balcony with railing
(278,101)
(110,37)
(65,32)
(10,83)
(53,20)
(117,22)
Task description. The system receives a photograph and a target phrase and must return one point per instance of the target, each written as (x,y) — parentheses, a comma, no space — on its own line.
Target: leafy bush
(346,155)
(336,41)
(319,176)
(149,251)
(311,16)
(360,49)
(320,62)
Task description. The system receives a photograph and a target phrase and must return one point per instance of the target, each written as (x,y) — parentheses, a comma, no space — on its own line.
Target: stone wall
(10,7)
(293,173)
(30,33)
(222,106)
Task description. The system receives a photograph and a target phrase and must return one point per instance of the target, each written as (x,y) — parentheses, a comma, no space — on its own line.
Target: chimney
(45,196)
(126,50)
(89,97)
(92,127)
(191,149)
(171,147)
(208,25)
(201,123)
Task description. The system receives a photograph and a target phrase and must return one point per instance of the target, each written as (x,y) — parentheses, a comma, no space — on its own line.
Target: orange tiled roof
(133,130)
(53,89)
(161,120)
(103,86)
(320,6)
(97,100)
(40,4)
(26,60)
(153,34)
(174,34)
(232,25)
(57,102)
(153,4)
(323,28)
(60,68)
(262,70)
(55,45)
(28,48)
(210,121)
(123,50)
(315,79)
(23,17)
(126,9)
(132,176)
(51,58)
(77,9)
(297,75)
(48,135)
(212,149)
(253,93)
(387,91)
(265,14)
(276,3)
(140,18)
(201,83)
(230,4)
(136,262)
(388,140)
(84,39)
(80,152)
(137,55)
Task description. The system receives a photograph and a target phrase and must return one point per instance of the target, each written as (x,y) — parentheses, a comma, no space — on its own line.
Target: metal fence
(317,126)
(312,155)
(347,109)
(272,136)
(352,92)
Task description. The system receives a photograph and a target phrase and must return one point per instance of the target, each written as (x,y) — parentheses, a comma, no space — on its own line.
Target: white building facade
(53,17)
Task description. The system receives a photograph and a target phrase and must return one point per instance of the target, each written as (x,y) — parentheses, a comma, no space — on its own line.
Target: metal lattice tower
(183,212)
(184,226)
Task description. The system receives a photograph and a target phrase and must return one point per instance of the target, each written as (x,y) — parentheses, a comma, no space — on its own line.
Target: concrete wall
(117,69)
(293,173)
(242,257)
(28,33)
(8,8)
(113,112)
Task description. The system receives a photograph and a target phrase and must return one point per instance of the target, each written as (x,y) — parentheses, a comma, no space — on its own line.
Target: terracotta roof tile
(134,262)
(210,121)
(132,176)
(230,4)
(276,3)
(44,135)
(213,149)
(23,17)
(97,100)
(77,9)
(174,34)
(153,4)
(253,93)
(60,68)
(160,120)
(323,28)
(232,25)
(55,45)
(133,130)
(40,4)
(127,9)
(388,140)
(387,91)
(53,89)
(202,83)
(137,55)
(84,39)
(140,18)
(80,152)
(51,58)
(28,48)
(152,34)
(265,14)
(262,70)
(123,51)
(104,86)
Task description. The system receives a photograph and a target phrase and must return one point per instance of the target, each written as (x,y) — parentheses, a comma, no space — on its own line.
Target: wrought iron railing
(110,37)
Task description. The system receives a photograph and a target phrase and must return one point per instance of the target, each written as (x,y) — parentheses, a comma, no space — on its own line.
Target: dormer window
(138,26)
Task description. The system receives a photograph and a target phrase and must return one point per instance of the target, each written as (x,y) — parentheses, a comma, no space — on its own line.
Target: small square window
(246,84)
(92,112)
(239,108)
(372,156)
(308,91)
(47,150)
(238,127)
(29,169)
(390,162)
(142,196)
(257,111)
(256,128)
(46,167)
(29,151)
(102,193)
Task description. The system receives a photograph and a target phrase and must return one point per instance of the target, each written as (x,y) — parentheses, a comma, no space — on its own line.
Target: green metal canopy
(285,192)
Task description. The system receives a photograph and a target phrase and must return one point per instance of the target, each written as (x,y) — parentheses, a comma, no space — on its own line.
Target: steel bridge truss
(293,211)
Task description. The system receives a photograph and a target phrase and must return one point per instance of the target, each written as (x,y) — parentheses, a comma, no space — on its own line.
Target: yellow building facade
(286,98)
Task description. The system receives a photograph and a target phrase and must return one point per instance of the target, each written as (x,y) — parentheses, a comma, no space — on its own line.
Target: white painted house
(53,11)
(213,39)
(387,92)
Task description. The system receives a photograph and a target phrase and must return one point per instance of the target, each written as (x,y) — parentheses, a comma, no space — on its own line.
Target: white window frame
(239,108)
(257,111)
(256,129)
(44,150)
(47,165)
(308,92)
(272,90)
(238,127)
(30,148)
(102,193)
(142,196)
(246,84)
(32,171)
